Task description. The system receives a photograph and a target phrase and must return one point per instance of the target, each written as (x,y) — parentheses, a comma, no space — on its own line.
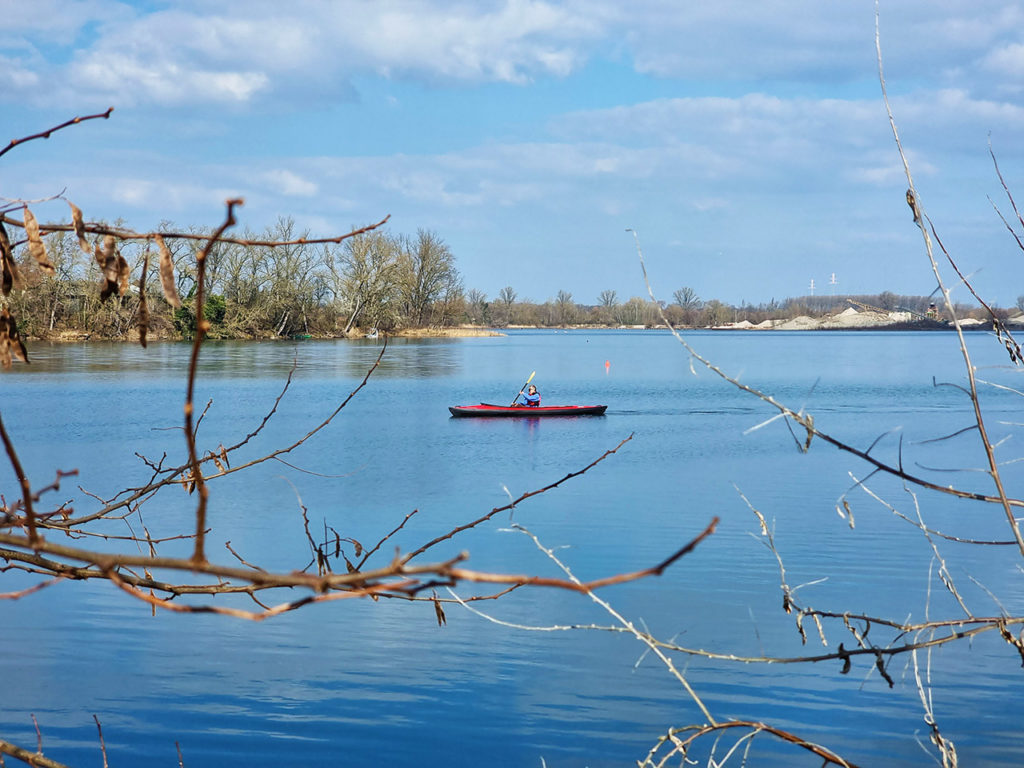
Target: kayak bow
(487,409)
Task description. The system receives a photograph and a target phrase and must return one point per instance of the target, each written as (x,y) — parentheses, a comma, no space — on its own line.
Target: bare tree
(50,300)
(365,278)
(566,308)
(686,298)
(507,297)
(292,277)
(426,273)
(716,313)
(478,310)
(451,303)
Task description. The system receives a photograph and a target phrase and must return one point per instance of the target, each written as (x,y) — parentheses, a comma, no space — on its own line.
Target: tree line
(374,280)
(686,310)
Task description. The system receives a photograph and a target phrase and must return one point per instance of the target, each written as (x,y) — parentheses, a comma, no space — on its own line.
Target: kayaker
(531,397)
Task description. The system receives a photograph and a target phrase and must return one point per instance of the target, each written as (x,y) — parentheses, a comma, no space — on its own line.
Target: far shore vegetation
(372,283)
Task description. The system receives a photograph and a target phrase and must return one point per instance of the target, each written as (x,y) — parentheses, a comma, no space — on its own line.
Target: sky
(746,143)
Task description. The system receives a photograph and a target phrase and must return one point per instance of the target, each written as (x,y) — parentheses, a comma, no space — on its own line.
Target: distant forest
(375,280)
(688,310)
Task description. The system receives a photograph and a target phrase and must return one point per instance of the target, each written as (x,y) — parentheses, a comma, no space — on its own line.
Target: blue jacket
(531,400)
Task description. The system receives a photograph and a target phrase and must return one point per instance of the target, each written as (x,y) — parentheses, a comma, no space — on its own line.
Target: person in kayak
(531,397)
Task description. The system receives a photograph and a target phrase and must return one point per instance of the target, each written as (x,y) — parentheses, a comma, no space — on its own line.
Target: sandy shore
(848,319)
(851,319)
(461,331)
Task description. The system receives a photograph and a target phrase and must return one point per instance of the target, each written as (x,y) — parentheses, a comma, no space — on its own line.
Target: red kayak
(486,409)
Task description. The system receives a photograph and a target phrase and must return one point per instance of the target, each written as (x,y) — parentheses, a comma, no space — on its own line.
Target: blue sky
(747,143)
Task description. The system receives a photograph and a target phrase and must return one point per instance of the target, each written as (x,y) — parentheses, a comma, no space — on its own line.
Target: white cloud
(14,77)
(59,21)
(753,136)
(129,81)
(169,197)
(884,169)
(234,52)
(517,39)
(766,141)
(290,184)
(1007,59)
(960,105)
(708,204)
(799,41)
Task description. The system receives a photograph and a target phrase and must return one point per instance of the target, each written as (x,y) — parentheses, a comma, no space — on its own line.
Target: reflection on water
(381,683)
(406,358)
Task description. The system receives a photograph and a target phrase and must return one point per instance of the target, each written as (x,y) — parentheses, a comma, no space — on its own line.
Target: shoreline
(848,320)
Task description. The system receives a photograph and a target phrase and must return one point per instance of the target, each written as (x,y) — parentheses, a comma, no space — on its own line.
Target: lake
(359,682)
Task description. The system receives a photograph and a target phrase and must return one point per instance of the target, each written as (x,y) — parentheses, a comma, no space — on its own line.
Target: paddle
(516,398)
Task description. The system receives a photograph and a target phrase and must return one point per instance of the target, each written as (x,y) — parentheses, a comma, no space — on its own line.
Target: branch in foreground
(400,578)
(680,747)
(919,220)
(512,505)
(202,326)
(46,134)
(36,759)
(585,586)
(806,421)
(127,234)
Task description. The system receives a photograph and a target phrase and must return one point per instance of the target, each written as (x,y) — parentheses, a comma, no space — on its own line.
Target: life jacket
(531,403)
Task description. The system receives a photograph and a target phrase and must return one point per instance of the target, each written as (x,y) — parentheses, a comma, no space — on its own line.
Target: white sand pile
(800,323)
(848,318)
(851,318)
(742,325)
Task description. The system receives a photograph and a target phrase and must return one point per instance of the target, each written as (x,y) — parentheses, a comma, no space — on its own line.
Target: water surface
(361,683)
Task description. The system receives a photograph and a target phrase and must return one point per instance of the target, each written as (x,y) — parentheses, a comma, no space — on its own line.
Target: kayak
(486,409)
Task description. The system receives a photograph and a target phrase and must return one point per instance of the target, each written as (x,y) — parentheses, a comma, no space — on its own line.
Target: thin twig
(46,134)
(920,220)
(202,326)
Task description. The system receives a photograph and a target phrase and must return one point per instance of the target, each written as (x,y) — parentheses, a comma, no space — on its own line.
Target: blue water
(380,683)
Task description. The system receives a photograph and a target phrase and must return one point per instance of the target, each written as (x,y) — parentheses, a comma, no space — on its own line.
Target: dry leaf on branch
(79,225)
(439,611)
(10,340)
(106,258)
(167,274)
(36,247)
(11,276)
(124,273)
(143,307)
